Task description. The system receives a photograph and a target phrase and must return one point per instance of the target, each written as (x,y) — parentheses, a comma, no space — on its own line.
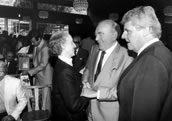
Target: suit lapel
(128,68)
(111,63)
(138,57)
(95,58)
(92,61)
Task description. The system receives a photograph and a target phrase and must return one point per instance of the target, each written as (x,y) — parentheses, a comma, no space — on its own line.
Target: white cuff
(98,94)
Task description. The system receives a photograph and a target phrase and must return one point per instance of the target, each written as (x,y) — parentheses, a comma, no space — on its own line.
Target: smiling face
(133,36)
(105,36)
(68,47)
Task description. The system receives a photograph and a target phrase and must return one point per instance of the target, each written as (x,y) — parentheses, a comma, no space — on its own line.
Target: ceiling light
(80,5)
(168,11)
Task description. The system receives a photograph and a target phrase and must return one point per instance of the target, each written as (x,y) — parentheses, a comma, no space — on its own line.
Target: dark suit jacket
(67,104)
(13,67)
(145,87)
(80,60)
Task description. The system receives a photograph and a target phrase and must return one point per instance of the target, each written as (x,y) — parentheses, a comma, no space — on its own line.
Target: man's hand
(86,84)
(89,93)
(8,118)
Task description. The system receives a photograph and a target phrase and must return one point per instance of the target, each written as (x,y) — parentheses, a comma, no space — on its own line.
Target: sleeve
(22,100)
(43,63)
(150,89)
(106,93)
(70,91)
(85,75)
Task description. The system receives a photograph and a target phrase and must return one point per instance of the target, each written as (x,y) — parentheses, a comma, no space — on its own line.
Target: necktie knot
(103,52)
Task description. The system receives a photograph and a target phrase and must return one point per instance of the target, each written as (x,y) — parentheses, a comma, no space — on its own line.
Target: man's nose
(123,35)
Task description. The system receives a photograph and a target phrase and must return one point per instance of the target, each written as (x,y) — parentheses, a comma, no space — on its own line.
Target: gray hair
(115,26)
(56,40)
(143,16)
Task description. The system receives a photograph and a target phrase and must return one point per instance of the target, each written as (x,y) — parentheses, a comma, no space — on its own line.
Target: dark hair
(46,37)
(35,33)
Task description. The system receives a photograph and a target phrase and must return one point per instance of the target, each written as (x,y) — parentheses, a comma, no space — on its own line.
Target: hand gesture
(89,93)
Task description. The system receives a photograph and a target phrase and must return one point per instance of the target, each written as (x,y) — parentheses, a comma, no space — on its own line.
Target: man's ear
(148,30)
(62,45)
(39,39)
(115,35)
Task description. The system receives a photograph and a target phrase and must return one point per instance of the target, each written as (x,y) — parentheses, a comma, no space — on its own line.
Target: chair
(35,112)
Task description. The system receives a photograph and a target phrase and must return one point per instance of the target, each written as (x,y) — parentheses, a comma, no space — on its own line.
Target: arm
(22,101)
(70,92)
(85,75)
(103,93)
(43,63)
(107,93)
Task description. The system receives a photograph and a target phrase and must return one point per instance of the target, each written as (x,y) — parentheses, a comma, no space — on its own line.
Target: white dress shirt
(66,60)
(107,54)
(147,44)
(2,105)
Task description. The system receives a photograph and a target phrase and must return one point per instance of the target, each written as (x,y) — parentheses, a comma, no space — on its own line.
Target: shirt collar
(111,48)
(66,60)
(146,45)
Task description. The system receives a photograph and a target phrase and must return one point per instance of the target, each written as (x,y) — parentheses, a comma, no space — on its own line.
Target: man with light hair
(12,96)
(145,87)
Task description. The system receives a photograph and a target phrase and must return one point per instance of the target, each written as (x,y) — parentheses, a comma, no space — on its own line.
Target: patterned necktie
(99,66)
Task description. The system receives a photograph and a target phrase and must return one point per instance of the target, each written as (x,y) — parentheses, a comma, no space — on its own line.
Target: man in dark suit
(11,62)
(81,55)
(145,87)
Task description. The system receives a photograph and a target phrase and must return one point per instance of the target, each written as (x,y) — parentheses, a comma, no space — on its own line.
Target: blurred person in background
(81,55)
(42,70)
(12,63)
